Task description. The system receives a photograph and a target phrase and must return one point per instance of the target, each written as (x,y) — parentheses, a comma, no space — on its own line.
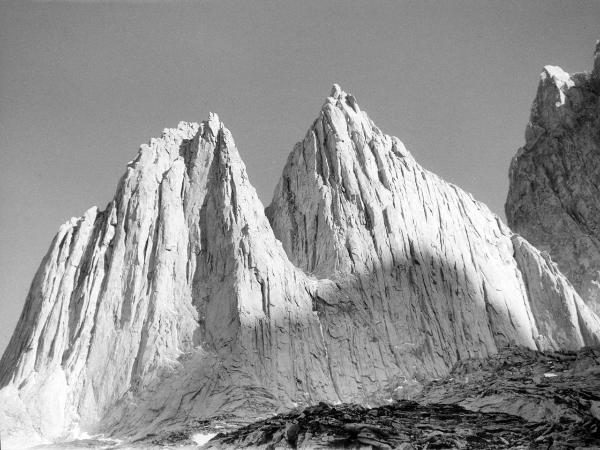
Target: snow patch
(201,438)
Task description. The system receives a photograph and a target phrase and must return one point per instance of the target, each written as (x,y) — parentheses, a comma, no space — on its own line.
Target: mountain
(184,300)
(554,194)
(439,275)
(175,301)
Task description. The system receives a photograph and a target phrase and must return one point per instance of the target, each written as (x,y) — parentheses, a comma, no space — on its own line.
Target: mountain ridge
(184,300)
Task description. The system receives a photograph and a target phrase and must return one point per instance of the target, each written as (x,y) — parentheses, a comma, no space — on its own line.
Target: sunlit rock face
(431,272)
(175,302)
(182,301)
(554,195)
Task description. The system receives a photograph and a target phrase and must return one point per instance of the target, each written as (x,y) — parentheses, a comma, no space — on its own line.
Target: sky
(84,83)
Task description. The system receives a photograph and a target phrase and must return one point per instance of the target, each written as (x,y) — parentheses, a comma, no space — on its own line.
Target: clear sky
(84,83)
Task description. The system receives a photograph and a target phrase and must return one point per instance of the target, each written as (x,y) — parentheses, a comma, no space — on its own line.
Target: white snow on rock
(202,439)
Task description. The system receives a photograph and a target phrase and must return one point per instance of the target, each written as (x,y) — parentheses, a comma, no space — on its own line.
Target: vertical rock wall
(554,194)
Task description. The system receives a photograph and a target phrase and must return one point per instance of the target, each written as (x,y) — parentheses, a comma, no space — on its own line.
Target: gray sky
(84,83)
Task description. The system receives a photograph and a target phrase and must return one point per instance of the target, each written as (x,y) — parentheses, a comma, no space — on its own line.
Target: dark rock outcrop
(517,399)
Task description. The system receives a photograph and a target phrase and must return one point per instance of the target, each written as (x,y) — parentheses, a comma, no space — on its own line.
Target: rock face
(175,301)
(182,301)
(435,273)
(554,195)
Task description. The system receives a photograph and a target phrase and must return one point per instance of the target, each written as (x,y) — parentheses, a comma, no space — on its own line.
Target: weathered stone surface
(554,195)
(176,300)
(539,387)
(431,274)
(405,425)
(178,304)
(519,398)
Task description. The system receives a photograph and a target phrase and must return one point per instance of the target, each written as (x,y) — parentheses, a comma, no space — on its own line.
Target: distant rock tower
(554,195)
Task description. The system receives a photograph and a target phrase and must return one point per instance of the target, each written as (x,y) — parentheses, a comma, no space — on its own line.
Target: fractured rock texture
(180,279)
(426,274)
(182,301)
(518,398)
(554,195)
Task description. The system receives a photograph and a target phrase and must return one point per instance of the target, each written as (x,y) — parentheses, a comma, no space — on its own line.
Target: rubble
(519,398)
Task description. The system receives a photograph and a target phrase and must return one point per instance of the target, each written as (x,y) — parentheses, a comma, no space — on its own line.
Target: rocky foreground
(516,399)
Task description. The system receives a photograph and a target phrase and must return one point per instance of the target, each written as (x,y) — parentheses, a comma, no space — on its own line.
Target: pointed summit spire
(340,96)
(353,206)
(336,91)
(213,123)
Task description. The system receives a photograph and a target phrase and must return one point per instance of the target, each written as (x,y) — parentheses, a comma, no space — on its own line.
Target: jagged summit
(122,293)
(183,300)
(554,193)
(345,117)
(353,205)
(336,90)
(338,94)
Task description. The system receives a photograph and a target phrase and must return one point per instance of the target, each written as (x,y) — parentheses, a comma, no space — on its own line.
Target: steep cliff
(436,273)
(179,302)
(176,300)
(554,195)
